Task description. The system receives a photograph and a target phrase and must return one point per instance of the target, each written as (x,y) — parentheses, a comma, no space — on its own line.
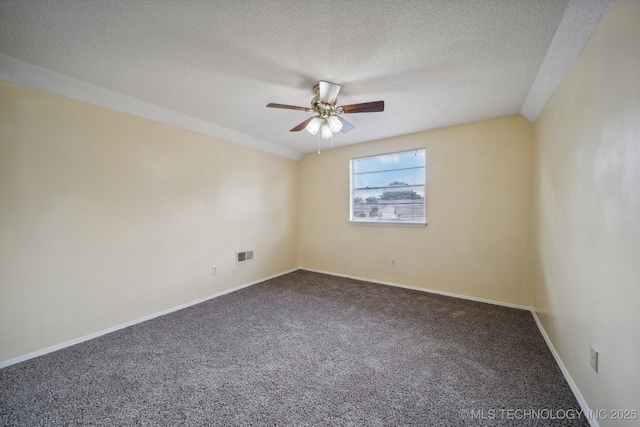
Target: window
(389,188)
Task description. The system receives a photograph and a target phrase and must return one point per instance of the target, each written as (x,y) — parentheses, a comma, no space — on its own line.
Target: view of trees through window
(389,187)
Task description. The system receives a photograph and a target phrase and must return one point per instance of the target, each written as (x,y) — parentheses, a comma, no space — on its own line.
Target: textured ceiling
(212,66)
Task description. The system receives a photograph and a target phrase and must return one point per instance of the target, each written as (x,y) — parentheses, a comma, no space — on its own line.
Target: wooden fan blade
(346,126)
(288,107)
(302,125)
(366,107)
(329,92)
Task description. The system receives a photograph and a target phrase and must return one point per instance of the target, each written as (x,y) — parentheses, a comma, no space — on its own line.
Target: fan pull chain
(318,142)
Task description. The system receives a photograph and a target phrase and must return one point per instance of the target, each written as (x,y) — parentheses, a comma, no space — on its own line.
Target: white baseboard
(574,388)
(416,288)
(133,322)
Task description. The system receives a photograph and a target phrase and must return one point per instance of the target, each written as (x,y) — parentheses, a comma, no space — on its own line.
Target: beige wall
(477,242)
(106,218)
(587,257)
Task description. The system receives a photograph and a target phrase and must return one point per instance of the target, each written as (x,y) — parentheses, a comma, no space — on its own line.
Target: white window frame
(381,221)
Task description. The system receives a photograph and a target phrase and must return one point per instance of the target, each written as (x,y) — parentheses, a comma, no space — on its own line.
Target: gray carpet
(304,349)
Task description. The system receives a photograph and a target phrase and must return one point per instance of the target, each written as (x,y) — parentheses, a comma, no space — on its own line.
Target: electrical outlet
(594,358)
(393,262)
(215,270)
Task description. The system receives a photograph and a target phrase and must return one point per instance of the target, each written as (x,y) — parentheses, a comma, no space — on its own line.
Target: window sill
(404,224)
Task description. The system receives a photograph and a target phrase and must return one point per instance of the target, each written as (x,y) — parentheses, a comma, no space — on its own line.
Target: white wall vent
(242,257)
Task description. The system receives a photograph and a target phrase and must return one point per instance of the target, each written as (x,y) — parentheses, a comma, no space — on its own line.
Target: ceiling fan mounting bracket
(324,110)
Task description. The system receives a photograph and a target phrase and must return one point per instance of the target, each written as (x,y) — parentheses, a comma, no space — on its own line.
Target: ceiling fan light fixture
(314,125)
(326,131)
(334,123)
(327,113)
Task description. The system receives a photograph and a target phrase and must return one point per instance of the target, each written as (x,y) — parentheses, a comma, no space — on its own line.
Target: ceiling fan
(327,112)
